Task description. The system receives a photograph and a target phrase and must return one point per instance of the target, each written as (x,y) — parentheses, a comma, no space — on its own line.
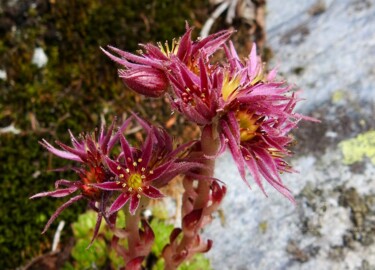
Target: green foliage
(98,254)
(162,231)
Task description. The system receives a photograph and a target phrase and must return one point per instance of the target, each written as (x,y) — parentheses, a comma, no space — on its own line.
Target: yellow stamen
(230,86)
(248,125)
(135,181)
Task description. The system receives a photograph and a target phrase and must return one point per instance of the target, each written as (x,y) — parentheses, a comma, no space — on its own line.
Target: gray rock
(327,49)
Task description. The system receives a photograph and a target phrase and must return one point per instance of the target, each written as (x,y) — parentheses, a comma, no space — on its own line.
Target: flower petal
(56,193)
(134,203)
(60,153)
(114,167)
(119,203)
(114,139)
(59,210)
(96,229)
(127,152)
(108,186)
(152,192)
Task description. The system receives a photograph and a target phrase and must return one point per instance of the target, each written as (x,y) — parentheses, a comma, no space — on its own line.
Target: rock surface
(327,49)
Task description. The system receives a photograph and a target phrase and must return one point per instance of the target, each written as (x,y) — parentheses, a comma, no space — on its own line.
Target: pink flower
(140,172)
(247,109)
(146,74)
(88,151)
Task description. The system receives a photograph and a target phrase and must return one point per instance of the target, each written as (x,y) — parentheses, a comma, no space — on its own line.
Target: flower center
(166,50)
(230,86)
(92,176)
(135,181)
(248,125)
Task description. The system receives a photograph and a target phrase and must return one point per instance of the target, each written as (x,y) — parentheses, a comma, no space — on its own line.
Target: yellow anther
(139,160)
(143,169)
(118,182)
(140,189)
(138,196)
(118,168)
(123,185)
(135,164)
(130,189)
(127,170)
(151,172)
(121,176)
(230,86)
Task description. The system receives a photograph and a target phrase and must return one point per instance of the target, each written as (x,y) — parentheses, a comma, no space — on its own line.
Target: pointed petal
(254,170)
(184,47)
(147,149)
(80,153)
(234,149)
(96,230)
(114,167)
(133,57)
(134,203)
(105,137)
(114,139)
(56,193)
(60,153)
(67,183)
(152,192)
(108,185)
(119,203)
(159,171)
(127,152)
(253,59)
(59,210)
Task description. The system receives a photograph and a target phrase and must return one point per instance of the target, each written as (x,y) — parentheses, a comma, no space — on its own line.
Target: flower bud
(147,81)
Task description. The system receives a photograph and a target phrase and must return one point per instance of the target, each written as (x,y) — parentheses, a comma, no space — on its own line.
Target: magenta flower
(140,172)
(249,111)
(89,151)
(143,75)
(146,74)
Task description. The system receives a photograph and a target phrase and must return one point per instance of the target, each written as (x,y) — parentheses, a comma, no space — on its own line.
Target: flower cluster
(238,106)
(248,110)
(134,172)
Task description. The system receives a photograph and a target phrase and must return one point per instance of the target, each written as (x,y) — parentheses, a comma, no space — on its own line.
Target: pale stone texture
(40,58)
(328,50)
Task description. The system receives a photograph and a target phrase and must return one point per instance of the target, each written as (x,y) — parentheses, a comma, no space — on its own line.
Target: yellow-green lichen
(338,96)
(356,149)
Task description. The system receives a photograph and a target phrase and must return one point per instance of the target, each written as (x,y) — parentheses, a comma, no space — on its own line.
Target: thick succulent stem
(196,208)
(132,227)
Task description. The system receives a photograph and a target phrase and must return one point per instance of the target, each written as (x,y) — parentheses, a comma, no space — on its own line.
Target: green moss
(78,85)
(22,219)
